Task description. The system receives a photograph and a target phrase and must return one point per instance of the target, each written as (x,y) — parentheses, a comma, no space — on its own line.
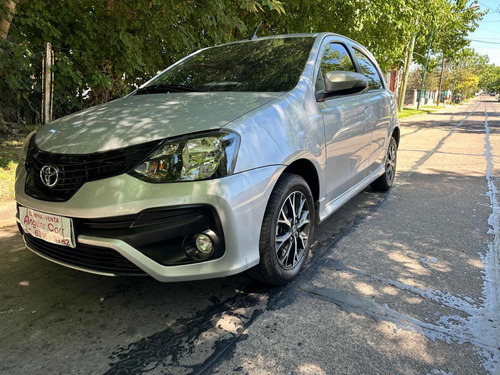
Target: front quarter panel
(282,131)
(286,129)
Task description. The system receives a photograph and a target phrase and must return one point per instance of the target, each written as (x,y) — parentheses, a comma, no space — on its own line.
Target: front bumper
(238,203)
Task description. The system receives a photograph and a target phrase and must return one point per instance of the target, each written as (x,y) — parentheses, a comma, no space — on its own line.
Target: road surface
(405,282)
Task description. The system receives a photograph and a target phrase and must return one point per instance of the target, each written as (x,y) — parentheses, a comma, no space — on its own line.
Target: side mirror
(342,83)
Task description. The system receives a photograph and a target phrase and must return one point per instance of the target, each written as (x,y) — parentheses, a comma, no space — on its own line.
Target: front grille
(75,170)
(88,257)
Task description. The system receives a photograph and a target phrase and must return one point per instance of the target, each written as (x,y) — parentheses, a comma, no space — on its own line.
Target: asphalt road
(400,283)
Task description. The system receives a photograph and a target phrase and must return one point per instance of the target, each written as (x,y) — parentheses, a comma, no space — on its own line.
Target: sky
(488,32)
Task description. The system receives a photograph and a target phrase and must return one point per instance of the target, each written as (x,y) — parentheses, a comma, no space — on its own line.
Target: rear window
(271,65)
(369,70)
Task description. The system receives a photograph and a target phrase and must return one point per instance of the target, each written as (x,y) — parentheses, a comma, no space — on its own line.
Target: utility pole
(425,68)
(406,72)
(441,81)
(47,84)
(454,83)
(52,85)
(400,79)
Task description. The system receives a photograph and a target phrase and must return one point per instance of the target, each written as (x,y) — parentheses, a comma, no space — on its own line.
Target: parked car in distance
(220,164)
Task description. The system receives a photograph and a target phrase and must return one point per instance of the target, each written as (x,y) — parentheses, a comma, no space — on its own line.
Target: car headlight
(196,157)
(24,150)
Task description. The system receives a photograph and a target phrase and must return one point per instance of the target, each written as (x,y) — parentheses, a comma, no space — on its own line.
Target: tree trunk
(406,73)
(400,84)
(110,5)
(440,92)
(10,7)
(47,83)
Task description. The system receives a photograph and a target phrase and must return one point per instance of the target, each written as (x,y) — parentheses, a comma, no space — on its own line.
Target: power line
(491,31)
(488,49)
(482,41)
(493,10)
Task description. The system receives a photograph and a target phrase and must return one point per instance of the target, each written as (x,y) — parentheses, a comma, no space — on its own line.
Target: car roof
(302,35)
(317,36)
(297,35)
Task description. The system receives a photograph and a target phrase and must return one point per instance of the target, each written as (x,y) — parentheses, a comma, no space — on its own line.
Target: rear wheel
(385,182)
(286,233)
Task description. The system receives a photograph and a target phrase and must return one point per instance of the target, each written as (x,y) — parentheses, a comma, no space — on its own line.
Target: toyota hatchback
(222,163)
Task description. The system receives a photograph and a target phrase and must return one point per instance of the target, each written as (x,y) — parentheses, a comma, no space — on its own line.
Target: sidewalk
(7,213)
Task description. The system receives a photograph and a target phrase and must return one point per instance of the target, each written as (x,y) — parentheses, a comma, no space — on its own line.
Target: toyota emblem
(49,175)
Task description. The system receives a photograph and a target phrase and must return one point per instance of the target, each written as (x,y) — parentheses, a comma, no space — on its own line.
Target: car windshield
(269,65)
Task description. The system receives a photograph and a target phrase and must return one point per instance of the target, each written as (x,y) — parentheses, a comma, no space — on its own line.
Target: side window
(369,70)
(335,58)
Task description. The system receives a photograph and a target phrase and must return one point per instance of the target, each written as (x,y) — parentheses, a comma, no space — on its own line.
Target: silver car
(222,163)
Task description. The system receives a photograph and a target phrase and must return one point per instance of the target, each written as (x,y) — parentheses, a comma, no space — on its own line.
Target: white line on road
(491,284)
(481,327)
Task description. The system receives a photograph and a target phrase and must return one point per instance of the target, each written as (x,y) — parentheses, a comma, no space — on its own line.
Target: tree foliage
(106,48)
(490,79)
(450,22)
(469,72)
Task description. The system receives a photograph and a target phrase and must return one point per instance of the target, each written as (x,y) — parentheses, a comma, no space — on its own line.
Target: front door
(347,127)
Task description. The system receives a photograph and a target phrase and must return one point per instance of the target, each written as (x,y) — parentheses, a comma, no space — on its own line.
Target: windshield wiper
(164,88)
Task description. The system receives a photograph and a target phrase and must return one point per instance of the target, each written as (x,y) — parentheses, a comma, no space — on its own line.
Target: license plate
(51,228)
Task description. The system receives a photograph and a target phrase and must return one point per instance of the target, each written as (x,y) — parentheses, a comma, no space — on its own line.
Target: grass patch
(407,112)
(10,150)
(431,107)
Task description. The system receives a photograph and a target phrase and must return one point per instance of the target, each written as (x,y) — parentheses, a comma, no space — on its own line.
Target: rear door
(378,101)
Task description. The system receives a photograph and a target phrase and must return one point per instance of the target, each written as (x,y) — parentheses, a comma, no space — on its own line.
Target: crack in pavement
(443,298)
(175,343)
(179,345)
(481,327)
(363,306)
(191,338)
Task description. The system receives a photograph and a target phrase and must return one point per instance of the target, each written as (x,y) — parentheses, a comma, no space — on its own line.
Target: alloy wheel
(390,163)
(292,230)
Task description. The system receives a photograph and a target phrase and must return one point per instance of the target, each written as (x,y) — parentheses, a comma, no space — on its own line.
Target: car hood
(138,119)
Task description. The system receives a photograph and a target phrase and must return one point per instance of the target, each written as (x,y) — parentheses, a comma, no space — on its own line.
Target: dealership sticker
(51,228)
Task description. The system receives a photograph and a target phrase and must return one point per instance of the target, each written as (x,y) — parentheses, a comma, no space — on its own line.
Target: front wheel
(385,182)
(286,232)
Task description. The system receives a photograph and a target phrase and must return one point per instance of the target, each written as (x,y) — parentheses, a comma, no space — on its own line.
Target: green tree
(467,72)
(106,48)
(7,11)
(490,79)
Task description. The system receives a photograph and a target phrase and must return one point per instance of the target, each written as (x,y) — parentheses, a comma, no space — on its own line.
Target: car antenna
(254,36)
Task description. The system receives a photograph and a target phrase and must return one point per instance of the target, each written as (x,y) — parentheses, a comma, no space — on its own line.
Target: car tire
(286,233)
(385,182)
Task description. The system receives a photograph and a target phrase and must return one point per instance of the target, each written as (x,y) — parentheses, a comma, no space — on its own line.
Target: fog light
(204,244)
(201,246)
